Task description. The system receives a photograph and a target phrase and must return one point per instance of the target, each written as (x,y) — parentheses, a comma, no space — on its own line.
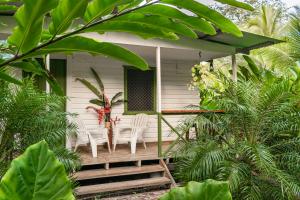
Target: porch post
(158,100)
(234,68)
(47,65)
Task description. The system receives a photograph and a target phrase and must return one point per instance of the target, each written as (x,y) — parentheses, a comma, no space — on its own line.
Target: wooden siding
(175,93)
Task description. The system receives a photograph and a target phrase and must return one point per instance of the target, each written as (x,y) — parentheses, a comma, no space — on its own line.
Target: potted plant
(103,103)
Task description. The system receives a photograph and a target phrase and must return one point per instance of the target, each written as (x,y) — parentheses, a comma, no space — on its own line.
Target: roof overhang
(244,44)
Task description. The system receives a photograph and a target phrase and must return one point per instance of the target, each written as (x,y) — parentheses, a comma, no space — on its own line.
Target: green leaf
(30,19)
(118,102)
(8,7)
(90,87)
(83,44)
(97,102)
(236,4)
(64,14)
(143,30)
(35,175)
(253,67)
(132,4)
(159,22)
(205,12)
(28,67)
(194,22)
(99,81)
(6,77)
(55,87)
(119,94)
(208,190)
(99,8)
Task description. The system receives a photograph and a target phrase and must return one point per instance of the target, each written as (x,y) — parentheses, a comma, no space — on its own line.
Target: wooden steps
(124,185)
(118,171)
(112,179)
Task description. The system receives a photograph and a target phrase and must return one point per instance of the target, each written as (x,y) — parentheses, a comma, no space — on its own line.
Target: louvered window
(140,91)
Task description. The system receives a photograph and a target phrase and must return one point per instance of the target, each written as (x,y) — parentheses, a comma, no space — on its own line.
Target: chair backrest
(140,121)
(82,133)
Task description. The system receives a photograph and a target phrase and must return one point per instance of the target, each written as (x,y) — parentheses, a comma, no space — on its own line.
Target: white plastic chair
(93,137)
(137,126)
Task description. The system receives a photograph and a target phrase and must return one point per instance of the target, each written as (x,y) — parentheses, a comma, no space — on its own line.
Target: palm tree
(267,22)
(282,56)
(28,116)
(102,100)
(254,146)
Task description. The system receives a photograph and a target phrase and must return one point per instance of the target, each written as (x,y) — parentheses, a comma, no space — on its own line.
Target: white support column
(158,80)
(47,65)
(234,68)
(158,101)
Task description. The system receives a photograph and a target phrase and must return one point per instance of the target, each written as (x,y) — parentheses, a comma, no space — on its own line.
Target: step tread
(118,171)
(124,185)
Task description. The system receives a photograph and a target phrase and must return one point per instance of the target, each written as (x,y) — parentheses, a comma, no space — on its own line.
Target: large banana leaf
(30,19)
(7,77)
(28,66)
(83,44)
(160,23)
(208,190)
(36,175)
(99,81)
(91,87)
(142,30)
(99,8)
(195,23)
(209,14)
(64,14)
(236,4)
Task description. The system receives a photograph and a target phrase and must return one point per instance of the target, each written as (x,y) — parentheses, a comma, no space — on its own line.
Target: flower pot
(107,125)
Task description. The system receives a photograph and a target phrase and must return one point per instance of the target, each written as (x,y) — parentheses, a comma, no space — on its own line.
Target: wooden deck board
(117,186)
(119,171)
(122,154)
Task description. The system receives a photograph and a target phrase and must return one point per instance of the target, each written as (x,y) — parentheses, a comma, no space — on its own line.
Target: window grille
(140,90)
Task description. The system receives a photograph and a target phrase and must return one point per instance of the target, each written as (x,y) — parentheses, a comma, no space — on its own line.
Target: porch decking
(122,154)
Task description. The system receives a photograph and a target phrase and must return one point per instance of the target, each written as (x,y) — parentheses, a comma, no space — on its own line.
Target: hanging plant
(104,105)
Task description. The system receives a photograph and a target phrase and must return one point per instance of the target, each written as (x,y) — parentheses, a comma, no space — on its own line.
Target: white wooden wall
(175,93)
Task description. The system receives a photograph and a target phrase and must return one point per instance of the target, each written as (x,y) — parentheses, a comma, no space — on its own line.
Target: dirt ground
(153,195)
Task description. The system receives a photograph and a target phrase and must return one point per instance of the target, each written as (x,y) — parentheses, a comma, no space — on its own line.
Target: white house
(167,81)
(160,91)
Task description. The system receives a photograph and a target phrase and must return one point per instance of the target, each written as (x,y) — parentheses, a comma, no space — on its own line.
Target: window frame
(154,89)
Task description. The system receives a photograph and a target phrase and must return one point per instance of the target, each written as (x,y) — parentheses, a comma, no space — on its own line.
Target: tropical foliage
(28,116)
(255,144)
(268,22)
(150,19)
(207,190)
(102,99)
(36,174)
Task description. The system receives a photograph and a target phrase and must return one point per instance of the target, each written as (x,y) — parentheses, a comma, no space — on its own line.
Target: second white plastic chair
(137,127)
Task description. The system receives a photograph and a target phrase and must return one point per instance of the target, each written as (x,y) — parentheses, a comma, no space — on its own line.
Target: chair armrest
(123,127)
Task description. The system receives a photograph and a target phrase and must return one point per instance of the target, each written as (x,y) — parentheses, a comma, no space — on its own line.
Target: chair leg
(133,145)
(94,148)
(76,147)
(144,143)
(115,144)
(108,146)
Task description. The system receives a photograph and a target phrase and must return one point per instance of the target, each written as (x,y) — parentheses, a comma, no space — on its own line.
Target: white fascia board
(183,43)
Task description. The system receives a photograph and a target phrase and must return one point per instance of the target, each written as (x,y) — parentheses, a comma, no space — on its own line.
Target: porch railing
(161,119)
